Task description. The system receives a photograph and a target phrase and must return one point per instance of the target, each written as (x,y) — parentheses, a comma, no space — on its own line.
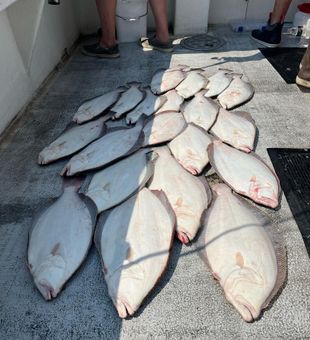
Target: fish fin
(142,120)
(236,75)
(160,194)
(122,88)
(197,127)
(163,112)
(159,70)
(210,150)
(134,84)
(281,256)
(254,154)
(138,144)
(63,172)
(151,158)
(86,183)
(223,105)
(245,115)
(99,228)
(147,88)
(118,128)
(75,183)
(201,92)
(91,207)
(162,100)
(162,150)
(104,129)
(201,244)
(69,126)
(181,67)
(107,116)
(205,183)
(38,214)
(209,171)
(226,69)
(183,106)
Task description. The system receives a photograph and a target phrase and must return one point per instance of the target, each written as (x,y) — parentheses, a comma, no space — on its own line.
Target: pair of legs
(280,9)
(107,11)
(271,37)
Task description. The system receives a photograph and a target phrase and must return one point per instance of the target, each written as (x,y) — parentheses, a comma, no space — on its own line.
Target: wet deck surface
(187,303)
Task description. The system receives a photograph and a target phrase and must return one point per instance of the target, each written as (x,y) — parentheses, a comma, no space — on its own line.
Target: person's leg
(107,47)
(159,9)
(107,10)
(271,35)
(303,77)
(280,9)
(161,40)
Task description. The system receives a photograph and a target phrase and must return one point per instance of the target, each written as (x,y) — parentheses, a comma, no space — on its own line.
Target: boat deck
(187,303)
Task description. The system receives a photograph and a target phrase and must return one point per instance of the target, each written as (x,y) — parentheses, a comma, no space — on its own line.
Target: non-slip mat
(202,43)
(285,60)
(293,169)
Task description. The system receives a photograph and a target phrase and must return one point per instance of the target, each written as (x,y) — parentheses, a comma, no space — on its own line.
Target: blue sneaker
(269,36)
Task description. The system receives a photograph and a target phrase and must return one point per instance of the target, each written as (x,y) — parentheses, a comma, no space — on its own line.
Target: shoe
(96,50)
(270,36)
(303,77)
(153,43)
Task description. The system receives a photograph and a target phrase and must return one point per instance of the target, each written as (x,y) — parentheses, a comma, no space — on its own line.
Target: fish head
(264,193)
(127,288)
(49,276)
(245,289)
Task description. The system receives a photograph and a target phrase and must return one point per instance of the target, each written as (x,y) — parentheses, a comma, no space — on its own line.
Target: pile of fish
(146,182)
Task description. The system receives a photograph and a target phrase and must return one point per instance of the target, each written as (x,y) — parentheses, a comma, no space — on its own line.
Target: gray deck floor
(187,303)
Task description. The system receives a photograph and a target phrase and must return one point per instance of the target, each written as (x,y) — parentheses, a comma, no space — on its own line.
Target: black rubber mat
(285,60)
(202,43)
(293,169)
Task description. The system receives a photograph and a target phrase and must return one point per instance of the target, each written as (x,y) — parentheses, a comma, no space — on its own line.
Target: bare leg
(303,78)
(159,9)
(107,11)
(279,10)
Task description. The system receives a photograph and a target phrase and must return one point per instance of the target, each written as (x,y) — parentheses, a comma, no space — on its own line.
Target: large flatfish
(193,83)
(218,83)
(163,127)
(134,240)
(235,128)
(128,100)
(188,195)
(245,173)
(243,251)
(190,148)
(173,103)
(116,144)
(96,106)
(237,93)
(72,140)
(166,79)
(148,106)
(60,239)
(201,111)
(114,184)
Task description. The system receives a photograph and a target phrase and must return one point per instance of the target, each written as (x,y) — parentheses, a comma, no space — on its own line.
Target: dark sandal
(95,50)
(153,43)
